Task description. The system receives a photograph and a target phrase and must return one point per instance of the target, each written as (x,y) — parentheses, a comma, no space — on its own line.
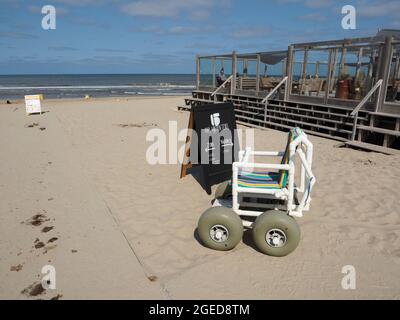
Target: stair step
(316,111)
(184,108)
(296,122)
(299,115)
(199,100)
(320,105)
(379,130)
(319,134)
(372,147)
(243,105)
(384,114)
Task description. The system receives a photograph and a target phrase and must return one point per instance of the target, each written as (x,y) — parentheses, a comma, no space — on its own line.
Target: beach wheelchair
(265,201)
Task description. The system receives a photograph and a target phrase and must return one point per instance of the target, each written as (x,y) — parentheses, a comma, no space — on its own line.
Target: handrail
(366,98)
(269,95)
(222,85)
(274,90)
(355,111)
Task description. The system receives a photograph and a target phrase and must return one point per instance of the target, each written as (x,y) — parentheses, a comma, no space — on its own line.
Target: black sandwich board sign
(211,145)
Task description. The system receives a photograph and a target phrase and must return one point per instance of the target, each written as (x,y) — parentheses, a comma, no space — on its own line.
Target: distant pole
(304,73)
(329,80)
(197,72)
(233,82)
(213,67)
(359,64)
(343,61)
(258,74)
(289,72)
(384,70)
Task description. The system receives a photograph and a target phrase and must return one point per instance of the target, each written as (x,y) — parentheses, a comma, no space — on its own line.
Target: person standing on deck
(221,78)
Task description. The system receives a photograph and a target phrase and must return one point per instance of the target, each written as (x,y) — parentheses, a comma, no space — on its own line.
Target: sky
(164,36)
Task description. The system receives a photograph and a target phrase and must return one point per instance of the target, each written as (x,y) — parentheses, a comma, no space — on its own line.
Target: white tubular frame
(302,147)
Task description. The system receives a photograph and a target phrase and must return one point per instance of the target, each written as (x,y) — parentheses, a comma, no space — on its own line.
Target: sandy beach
(77,193)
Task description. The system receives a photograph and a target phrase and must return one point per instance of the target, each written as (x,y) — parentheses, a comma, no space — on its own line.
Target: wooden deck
(378,132)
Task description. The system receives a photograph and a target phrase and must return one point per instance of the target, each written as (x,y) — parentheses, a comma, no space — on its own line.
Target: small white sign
(33,103)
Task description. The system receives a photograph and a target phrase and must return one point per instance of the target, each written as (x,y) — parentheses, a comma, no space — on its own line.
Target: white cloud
(378,8)
(17,35)
(113,50)
(61,48)
(38,10)
(309,3)
(368,8)
(80,2)
(319,3)
(253,32)
(197,9)
(313,17)
(174,30)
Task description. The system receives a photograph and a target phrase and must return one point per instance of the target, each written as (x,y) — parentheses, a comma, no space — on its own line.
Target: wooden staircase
(379,132)
(382,134)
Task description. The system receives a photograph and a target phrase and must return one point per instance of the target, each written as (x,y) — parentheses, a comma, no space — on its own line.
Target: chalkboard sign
(212,144)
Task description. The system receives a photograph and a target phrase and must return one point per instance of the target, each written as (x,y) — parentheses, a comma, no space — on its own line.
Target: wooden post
(234,68)
(186,164)
(283,67)
(317,69)
(384,70)
(198,72)
(397,68)
(258,74)
(333,79)
(213,67)
(289,72)
(328,82)
(343,60)
(359,62)
(245,67)
(304,72)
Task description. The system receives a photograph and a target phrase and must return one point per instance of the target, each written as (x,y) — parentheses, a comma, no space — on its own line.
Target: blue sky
(163,36)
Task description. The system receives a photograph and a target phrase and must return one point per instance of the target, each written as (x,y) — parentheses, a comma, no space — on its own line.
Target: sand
(126,229)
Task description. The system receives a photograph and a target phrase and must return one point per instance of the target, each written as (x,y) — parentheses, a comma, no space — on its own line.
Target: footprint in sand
(47,229)
(33,290)
(39,245)
(37,219)
(35,124)
(136,125)
(52,240)
(16,268)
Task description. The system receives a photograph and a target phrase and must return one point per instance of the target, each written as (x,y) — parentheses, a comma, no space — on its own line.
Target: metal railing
(269,95)
(220,87)
(355,111)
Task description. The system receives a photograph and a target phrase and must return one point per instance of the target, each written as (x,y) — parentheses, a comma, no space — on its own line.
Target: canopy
(273,57)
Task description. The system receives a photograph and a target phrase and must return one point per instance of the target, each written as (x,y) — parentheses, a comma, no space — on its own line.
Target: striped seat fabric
(260,180)
(269,180)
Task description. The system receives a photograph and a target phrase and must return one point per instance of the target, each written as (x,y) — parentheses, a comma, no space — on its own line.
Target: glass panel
(271,75)
(246,76)
(206,72)
(393,90)
(223,70)
(311,81)
(355,69)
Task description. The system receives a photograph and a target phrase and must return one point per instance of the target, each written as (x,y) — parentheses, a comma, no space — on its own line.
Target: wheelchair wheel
(275,233)
(220,228)
(224,190)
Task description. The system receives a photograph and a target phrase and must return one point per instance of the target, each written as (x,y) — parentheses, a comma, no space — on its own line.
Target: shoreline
(83,99)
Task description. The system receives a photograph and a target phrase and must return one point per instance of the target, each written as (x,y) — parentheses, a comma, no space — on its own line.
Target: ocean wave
(151,86)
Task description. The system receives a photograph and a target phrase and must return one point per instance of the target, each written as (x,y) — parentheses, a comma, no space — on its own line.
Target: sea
(98,85)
